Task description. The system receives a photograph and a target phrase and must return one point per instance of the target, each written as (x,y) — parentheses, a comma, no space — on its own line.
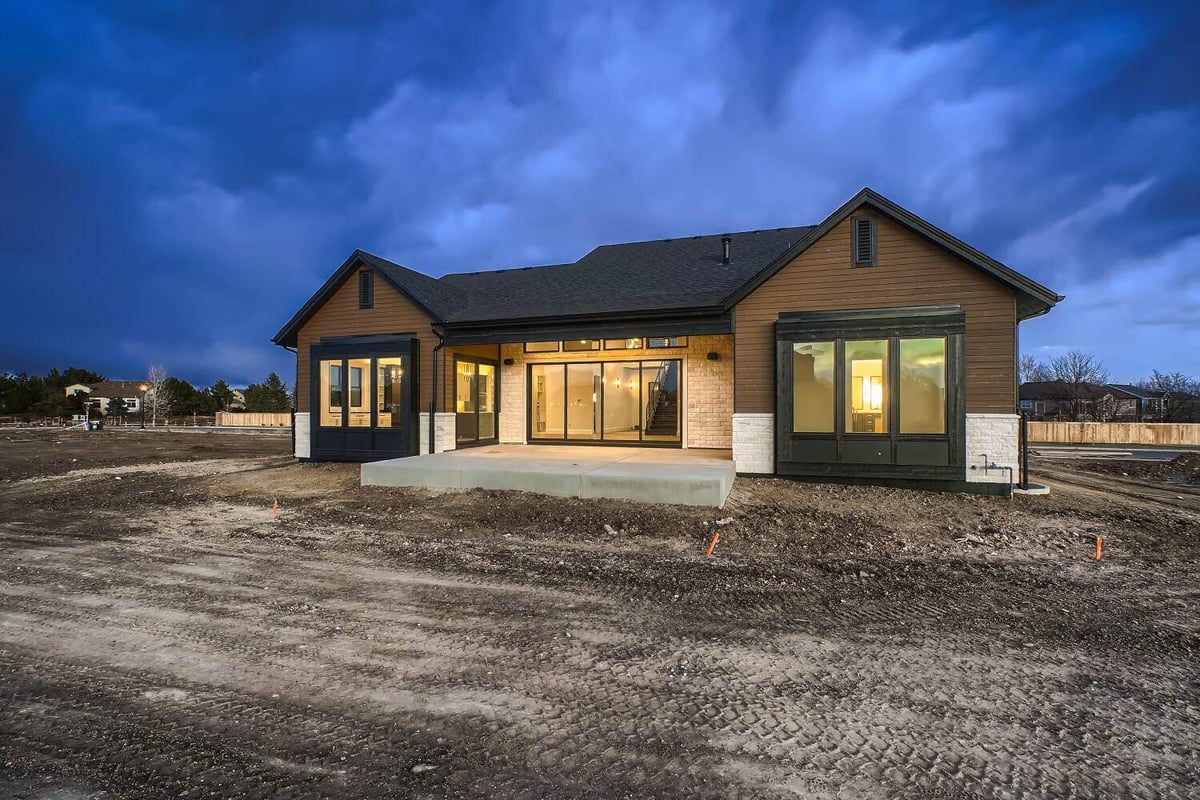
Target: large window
(360,392)
(923,385)
(388,410)
(812,387)
(613,401)
(867,379)
(867,390)
(331,405)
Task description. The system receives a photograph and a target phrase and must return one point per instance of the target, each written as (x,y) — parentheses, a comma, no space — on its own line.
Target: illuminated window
(923,385)
(867,390)
(812,387)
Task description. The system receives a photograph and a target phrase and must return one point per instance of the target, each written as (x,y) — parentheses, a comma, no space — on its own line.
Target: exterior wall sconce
(508,362)
(713,356)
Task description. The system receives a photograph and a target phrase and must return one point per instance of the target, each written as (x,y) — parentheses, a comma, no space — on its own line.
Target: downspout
(433,395)
(296,352)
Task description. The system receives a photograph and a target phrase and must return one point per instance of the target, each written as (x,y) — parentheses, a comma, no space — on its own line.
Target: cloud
(201,172)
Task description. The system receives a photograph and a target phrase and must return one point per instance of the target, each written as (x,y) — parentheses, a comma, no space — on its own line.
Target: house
(1083,402)
(1135,404)
(237,401)
(871,347)
(102,394)
(1060,400)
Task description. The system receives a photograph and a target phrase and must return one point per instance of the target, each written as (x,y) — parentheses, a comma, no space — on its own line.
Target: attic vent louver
(366,289)
(863,245)
(726,241)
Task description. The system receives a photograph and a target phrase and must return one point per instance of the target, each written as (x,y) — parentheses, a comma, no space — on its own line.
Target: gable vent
(863,230)
(366,289)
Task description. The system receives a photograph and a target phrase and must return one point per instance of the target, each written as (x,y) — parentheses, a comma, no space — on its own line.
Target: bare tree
(1180,395)
(158,395)
(1030,369)
(1080,375)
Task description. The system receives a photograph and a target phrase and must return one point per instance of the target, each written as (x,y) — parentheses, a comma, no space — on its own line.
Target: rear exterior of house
(872,347)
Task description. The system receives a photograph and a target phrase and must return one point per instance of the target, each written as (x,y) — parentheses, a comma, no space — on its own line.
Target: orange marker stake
(274,510)
(1099,546)
(712,544)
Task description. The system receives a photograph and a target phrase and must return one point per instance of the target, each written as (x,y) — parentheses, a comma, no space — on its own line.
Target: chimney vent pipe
(726,240)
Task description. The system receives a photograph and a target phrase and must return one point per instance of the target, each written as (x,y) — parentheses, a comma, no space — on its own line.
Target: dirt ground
(160,636)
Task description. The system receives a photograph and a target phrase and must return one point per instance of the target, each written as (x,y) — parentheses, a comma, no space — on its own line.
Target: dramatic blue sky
(179,177)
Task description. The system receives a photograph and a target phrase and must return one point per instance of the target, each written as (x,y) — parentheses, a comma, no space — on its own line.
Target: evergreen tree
(270,395)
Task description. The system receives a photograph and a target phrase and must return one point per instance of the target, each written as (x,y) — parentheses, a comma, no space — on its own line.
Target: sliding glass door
(616,402)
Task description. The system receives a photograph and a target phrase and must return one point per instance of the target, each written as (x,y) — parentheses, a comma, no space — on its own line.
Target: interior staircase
(662,410)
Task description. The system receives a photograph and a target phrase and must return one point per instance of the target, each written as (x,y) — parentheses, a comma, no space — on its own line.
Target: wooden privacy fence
(1164,433)
(254,419)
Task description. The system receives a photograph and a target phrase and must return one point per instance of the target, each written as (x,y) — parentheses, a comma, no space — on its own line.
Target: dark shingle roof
(665,275)
(116,389)
(1059,390)
(1134,391)
(656,275)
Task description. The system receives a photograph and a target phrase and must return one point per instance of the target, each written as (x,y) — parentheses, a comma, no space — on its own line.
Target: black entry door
(476,392)
(363,399)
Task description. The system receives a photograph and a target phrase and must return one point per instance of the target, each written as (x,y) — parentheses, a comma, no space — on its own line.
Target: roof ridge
(706,236)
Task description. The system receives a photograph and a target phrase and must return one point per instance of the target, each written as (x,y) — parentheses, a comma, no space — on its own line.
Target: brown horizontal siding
(392,312)
(911,271)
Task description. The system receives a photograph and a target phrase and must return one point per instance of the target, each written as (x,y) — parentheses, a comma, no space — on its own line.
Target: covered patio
(649,475)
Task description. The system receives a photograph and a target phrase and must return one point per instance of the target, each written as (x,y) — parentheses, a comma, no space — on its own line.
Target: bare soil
(160,636)
(1183,469)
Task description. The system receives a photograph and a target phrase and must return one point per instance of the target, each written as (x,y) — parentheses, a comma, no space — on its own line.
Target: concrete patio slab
(649,475)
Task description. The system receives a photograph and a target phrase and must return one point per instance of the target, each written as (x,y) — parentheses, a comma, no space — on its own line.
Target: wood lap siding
(391,312)
(911,271)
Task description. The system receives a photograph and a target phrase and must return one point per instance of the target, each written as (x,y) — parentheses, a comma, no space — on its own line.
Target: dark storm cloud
(179,179)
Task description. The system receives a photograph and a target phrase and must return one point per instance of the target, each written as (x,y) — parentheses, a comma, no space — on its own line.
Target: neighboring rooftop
(116,389)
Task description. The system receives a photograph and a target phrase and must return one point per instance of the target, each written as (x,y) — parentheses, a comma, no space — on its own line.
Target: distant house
(103,393)
(1090,402)
(238,401)
(1135,404)
(1059,400)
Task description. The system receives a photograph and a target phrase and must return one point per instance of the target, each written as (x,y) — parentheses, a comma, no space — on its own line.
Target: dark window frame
(856,226)
(892,454)
(496,378)
(601,363)
(683,342)
(557,347)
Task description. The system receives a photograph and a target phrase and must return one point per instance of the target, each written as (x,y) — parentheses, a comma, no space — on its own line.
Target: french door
(363,398)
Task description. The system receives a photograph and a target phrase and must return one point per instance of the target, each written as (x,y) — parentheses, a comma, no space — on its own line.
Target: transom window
(585,345)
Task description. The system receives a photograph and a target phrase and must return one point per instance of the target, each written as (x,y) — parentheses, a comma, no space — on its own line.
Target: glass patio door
(474,401)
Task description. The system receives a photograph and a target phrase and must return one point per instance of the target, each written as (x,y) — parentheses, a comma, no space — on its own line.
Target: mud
(160,636)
